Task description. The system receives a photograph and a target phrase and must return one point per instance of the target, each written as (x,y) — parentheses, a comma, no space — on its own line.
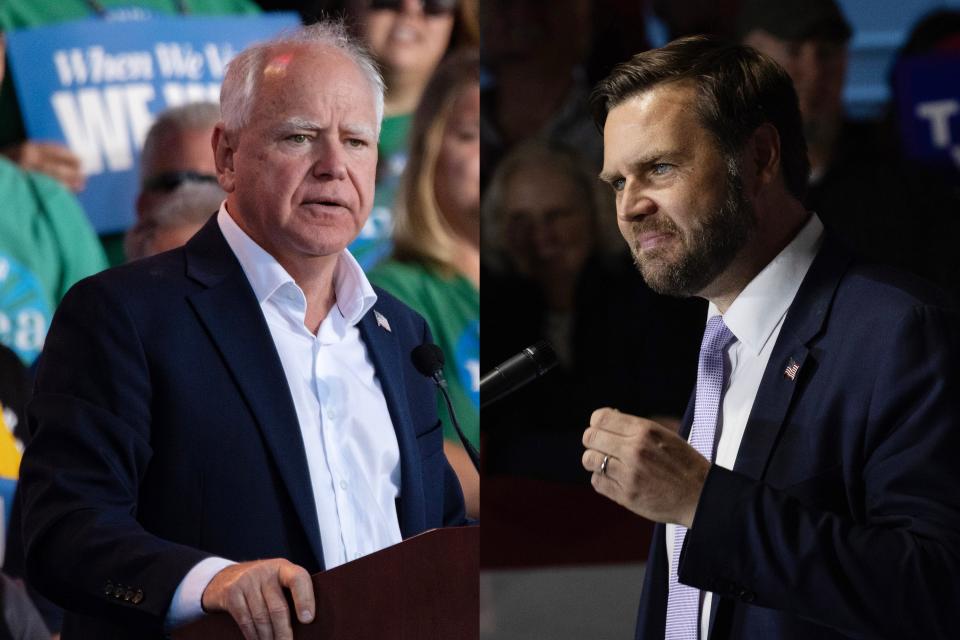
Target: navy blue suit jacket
(164,432)
(841,517)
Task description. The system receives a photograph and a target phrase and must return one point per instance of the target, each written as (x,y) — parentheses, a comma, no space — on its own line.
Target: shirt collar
(354,294)
(763,303)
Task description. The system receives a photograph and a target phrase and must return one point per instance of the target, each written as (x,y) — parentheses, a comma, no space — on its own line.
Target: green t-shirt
(46,245)
(373,244)
(18,14)
(451,307)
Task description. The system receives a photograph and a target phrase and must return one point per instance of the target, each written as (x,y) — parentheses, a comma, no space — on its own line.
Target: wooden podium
(425,588)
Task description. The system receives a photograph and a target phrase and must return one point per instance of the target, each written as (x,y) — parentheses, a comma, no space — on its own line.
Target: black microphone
(428,359)
(510,375)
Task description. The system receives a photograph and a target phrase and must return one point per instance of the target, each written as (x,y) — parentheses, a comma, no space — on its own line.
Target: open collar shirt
(348,437)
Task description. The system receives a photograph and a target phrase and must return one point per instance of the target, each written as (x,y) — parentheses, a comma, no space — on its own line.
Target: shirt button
(343,485)
(332,414)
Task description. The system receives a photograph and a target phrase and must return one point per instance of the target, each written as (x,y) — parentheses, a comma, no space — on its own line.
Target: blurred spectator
(933,42)
(692,17)
(19,619)
(631,350)
(177,150)
(46,244)
(436,259)
(408,38)
(174,221)
(14,390)
(54,159)
(536,54)
(884,207)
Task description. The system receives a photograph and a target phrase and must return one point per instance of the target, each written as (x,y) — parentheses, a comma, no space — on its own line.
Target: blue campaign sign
(927,94)
(97,86)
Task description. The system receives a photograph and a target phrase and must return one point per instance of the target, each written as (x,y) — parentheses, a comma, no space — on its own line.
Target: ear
(223,149)
(763,155)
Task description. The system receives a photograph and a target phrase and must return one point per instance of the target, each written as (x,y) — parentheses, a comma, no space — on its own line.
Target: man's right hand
(55,160)
(252,592)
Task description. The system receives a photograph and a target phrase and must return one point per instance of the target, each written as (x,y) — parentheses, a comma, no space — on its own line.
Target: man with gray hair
(172,222)
(217,422)
(176,151)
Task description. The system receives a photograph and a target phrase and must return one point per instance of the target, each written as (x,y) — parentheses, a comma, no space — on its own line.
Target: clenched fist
(650,469)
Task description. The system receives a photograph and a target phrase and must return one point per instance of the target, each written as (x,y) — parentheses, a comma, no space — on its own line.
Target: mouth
(328,202)
(650,240)
(404,34)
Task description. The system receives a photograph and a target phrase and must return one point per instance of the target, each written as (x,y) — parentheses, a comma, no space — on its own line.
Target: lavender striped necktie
(683,603)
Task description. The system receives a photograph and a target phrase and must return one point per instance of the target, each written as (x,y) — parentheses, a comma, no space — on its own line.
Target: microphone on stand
(428,359)
(510,375)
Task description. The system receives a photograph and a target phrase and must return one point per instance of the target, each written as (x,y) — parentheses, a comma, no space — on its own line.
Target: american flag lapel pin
(382,321)
(791,371)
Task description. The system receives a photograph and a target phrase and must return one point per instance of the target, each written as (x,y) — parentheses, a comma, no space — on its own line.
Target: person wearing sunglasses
(408,38)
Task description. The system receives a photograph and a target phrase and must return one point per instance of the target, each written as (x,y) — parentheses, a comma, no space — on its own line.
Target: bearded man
(813,489)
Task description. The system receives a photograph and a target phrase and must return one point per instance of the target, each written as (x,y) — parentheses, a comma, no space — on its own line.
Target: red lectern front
(425,588)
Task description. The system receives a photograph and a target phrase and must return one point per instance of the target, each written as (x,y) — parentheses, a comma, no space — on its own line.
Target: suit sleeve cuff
(717,525)
(186,605)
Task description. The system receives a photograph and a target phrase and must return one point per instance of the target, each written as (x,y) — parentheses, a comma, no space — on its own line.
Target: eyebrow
(309,125)
(651,157)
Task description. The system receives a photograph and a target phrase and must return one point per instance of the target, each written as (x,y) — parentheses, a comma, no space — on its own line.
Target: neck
(772,234)
(404,94)
(467,261)
(466,246)
(560,293)
(315,277)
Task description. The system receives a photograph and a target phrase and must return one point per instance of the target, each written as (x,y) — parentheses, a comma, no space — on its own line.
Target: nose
(412,6)
(331,162)
(634,204)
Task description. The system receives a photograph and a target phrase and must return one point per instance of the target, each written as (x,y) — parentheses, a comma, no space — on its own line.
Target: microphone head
(544,356)
(427,358)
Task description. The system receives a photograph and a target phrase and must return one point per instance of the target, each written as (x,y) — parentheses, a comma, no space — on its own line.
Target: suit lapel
(789,364)
(790,361)
(384,350)
(230,312)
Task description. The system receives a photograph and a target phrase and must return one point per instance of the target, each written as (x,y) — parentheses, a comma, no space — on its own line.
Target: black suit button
(128,596)
(137,597)
(108,590)
(746,595)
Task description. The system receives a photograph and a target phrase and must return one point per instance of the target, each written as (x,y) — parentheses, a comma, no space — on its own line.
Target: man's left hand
(650,470)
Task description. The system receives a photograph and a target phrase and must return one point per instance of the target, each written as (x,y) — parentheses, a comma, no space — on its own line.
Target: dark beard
(710,248)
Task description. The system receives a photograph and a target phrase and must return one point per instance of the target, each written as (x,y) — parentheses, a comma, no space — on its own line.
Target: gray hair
(563,160)
(194,116)
(192,203)
(239,84)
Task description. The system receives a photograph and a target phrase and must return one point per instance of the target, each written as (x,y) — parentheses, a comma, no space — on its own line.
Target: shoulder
(149,282)
(879,291)
(388,302)
(406,280)
(397,273)
(874,303)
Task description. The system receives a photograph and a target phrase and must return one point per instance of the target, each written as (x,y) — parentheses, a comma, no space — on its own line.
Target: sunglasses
(170,180)
(430,7)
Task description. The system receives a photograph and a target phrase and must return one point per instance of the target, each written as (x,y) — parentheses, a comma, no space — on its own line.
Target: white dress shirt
(348,436)
(755,317)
